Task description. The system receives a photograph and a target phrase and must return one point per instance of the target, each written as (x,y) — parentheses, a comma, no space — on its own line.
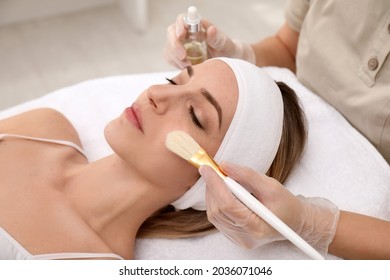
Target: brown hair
(168,223)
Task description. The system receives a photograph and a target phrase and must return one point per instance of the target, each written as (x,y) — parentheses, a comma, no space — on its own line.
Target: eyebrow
(208,96)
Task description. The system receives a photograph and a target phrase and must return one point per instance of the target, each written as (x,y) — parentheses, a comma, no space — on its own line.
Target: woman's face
(201,101)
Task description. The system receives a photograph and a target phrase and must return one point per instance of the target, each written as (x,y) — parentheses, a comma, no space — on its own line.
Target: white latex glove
(218,44)
(314,219)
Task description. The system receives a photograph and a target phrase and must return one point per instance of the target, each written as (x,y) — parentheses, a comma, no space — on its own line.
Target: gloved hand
(218,44)
(314,219)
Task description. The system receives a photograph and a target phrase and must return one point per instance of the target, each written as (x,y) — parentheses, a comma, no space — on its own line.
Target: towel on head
(254,134)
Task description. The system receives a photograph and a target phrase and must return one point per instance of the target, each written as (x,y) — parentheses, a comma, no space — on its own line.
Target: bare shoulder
(44,123)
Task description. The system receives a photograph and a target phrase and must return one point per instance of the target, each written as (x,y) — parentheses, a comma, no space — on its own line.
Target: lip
(133,115)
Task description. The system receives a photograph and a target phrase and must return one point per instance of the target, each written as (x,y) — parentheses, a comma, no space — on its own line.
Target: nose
(162,97)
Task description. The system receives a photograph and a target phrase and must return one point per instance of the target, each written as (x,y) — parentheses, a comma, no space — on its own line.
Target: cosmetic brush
(187,148)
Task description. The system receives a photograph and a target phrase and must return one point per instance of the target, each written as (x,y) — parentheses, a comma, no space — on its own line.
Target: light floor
(39,56)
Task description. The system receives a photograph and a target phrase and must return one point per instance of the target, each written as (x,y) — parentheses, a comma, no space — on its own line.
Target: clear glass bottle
(195,40)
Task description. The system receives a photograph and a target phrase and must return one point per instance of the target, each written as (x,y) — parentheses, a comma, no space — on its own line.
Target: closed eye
(191,110)
(171,81)
(194,119)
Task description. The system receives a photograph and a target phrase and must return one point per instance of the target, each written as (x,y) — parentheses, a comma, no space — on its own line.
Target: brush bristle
(181,144)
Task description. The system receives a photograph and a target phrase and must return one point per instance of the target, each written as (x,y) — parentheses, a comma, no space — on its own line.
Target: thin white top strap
(64,256)
(59,142)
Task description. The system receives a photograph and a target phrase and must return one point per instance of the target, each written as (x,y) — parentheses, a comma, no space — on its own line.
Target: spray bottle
(195,40)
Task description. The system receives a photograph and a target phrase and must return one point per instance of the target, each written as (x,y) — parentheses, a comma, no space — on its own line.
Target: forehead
(219,79)
(217,70)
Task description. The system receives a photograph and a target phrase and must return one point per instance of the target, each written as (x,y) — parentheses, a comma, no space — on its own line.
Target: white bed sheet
(338,162)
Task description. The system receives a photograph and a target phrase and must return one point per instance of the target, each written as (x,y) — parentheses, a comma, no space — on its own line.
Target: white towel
(338,162)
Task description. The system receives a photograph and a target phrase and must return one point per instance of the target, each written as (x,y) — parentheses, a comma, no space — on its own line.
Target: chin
(117,137)
(109,131)
(125,141)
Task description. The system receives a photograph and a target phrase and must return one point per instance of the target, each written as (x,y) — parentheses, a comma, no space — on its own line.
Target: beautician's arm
(278,50)
(361,237)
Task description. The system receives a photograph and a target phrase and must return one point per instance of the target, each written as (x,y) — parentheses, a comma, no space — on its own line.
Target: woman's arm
(278,50)
(361,237)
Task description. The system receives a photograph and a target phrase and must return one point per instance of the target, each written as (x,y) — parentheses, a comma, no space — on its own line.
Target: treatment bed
(338,162)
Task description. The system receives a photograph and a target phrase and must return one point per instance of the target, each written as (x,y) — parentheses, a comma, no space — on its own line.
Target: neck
(113,199)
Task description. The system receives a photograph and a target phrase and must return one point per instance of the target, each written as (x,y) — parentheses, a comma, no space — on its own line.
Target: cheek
(150,158)
(172,170)
(211,144)
(176,173)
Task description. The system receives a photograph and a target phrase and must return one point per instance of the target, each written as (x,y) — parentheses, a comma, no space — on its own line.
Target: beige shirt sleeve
(295,13)
(343,56)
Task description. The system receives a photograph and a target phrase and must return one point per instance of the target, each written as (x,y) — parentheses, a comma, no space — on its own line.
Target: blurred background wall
(49,44)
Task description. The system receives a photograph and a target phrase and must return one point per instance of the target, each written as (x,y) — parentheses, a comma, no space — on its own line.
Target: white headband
(254,134)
